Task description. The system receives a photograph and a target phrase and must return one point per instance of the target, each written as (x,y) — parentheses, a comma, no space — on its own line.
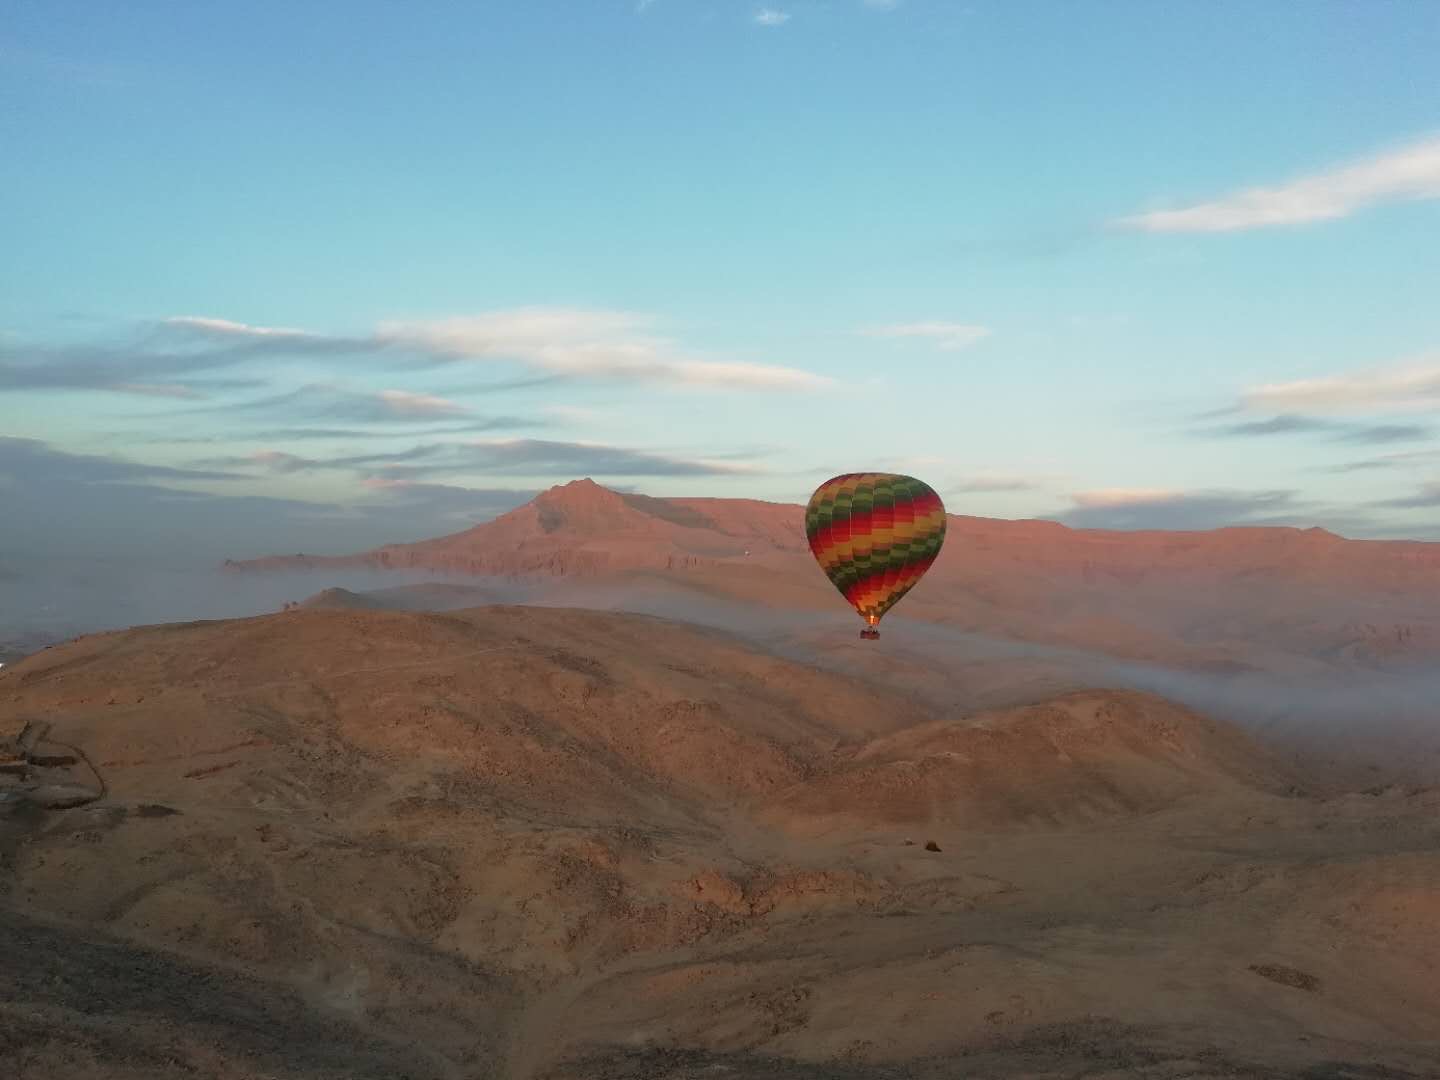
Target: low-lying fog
(50,600)
(1360,719)
(1355,713)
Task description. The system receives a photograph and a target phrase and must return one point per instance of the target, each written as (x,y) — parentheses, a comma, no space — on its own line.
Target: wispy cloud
(326,400)
(1406,460)
(771,17)
(452,502)
(1108,498)
(1377,434)
(228,328)
(159,390)
(284,462)
(1338,430)
(33,461)
(992,484)
(405,403)
(574,414)
(54,499)
(1119,508)
(142,368)
(1427,497)
(175,358)
(1403,388)
(553,342)
(589,344)
(950,336)
(544,457)
(276,460)
(1128,509)
(290,434)
(1407,173)
(1286,424)
(881,5)
(517,457)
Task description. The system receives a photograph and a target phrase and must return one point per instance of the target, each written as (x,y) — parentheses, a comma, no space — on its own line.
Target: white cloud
(994,484)
(600,344)
(946,335)
(771,17)
(556,340)
(1414,386)
(1113,497)
(404,403)
(575,414)
(517,331)
(1411,172)
(227,328)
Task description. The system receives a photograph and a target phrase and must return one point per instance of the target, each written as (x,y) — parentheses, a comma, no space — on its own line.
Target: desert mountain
(519,842)
(584,528)
(1288,603)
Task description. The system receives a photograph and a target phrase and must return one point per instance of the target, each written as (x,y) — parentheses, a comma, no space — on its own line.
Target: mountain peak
(579,493)
(580,503)
(583,484)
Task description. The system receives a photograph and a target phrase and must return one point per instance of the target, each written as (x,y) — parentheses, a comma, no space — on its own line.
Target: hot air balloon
(874,535)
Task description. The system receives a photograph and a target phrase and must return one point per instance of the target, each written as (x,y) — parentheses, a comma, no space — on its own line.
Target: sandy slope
(525,843)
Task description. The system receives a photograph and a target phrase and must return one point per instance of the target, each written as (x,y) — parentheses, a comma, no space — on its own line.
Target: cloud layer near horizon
(99,509)
(1140,509)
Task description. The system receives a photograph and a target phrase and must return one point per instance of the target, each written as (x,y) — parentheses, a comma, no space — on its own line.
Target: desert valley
(716,540)
(619,793)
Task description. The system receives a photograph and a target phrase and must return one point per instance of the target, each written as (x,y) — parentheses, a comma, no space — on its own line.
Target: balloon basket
(870,634)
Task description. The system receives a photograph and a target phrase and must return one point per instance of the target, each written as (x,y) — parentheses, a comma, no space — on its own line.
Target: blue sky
(371,271)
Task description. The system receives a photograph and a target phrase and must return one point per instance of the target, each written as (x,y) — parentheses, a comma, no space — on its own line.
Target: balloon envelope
(874,535)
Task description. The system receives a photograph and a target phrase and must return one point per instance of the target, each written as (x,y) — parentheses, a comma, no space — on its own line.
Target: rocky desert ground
(544,842)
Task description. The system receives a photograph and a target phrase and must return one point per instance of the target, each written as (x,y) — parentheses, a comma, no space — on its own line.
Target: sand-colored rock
(518,842)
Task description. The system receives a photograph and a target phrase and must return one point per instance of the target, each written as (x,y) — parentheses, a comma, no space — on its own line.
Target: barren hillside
(521,842)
